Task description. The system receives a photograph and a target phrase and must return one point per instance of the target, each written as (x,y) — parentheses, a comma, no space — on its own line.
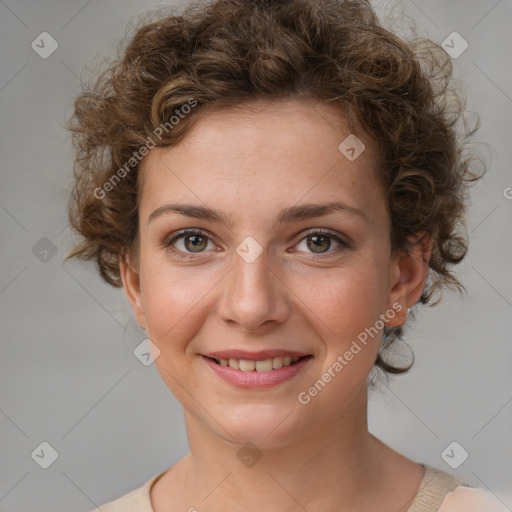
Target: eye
(188,242)
(319,242)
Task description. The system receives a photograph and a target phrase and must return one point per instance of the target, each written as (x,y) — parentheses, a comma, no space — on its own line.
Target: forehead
(260,154)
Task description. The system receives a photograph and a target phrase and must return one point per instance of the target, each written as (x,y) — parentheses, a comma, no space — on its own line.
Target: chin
(265,426)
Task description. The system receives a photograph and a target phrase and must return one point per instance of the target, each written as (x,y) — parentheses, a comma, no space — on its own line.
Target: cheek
(173,300)
(347,323)
(348,300)
(348,318)
(175,305)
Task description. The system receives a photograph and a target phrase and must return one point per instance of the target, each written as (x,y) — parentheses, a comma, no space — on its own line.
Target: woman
(275,185)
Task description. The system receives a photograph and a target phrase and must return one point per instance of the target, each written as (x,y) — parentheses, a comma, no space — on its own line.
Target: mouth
(258,374)
(262,365)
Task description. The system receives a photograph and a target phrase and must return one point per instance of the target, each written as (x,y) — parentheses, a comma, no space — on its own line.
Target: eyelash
(324,232)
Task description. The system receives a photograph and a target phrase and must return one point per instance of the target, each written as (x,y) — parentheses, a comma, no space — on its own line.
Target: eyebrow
(288,215)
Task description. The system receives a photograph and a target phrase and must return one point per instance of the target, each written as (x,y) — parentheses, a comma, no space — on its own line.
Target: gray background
(68,374)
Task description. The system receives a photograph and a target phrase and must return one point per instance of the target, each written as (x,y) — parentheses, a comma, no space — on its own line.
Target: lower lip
(254,379)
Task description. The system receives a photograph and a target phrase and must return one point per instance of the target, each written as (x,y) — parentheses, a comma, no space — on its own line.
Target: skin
(249,164)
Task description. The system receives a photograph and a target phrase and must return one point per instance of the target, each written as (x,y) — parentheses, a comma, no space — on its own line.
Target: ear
(408,276)
(131,285)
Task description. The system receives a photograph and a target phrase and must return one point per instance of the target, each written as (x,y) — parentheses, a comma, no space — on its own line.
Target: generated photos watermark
(137,156)
(355,348)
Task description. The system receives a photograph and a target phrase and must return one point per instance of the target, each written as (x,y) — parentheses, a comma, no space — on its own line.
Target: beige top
(438,492)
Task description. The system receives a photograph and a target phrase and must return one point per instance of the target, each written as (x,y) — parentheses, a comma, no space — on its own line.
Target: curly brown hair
(223,53)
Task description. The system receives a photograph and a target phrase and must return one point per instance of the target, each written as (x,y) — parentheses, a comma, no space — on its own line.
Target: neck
(334,464)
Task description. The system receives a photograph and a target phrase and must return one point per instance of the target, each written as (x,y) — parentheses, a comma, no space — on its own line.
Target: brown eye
(188,242)
(195,243)
(320,241)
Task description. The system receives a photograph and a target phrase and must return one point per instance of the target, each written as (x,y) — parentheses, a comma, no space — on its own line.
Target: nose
(254,295)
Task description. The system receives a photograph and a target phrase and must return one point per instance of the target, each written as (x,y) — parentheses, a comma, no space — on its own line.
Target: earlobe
(409,276)
(131,284)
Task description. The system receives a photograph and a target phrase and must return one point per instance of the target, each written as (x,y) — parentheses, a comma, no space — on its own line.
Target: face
(264,273)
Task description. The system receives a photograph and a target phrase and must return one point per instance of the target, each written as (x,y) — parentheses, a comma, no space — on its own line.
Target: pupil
(316,244)
(195,239)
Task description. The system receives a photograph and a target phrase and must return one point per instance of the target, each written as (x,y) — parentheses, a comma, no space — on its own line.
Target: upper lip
(255,356)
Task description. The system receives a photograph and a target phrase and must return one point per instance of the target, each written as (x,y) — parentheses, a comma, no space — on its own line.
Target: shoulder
(442,492)
(137,500)
(470,499)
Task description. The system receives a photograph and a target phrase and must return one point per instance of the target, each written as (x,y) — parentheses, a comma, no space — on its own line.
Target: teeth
(277,363)
(263,366)
(259,366)
(246,366)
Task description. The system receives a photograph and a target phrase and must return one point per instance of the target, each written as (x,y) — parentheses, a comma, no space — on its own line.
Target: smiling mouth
(265,365)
